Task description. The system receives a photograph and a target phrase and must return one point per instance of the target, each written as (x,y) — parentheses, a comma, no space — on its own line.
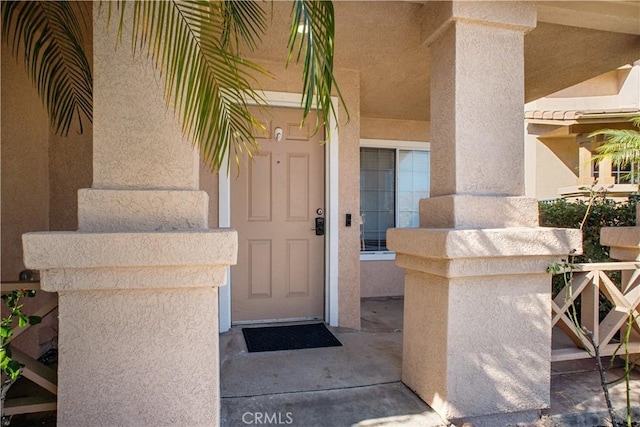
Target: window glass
(624,174)
(377,196)
(392,182)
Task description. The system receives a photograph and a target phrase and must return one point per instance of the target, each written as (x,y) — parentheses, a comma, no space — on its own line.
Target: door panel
(274,199)
(259,188)
(259,264)
(297,268)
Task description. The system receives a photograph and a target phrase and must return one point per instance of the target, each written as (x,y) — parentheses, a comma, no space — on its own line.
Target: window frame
(396,145)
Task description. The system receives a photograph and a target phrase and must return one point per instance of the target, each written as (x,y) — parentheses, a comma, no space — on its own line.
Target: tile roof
(576,114)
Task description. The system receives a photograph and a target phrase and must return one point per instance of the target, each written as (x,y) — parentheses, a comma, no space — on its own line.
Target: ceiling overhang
(613,16)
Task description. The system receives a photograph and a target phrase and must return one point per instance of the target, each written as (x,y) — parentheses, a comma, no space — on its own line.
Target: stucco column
(585,176)
(605,171)
(477,322)
(137,283)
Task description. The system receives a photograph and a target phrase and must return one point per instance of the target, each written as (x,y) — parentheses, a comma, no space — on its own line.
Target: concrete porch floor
(359,384)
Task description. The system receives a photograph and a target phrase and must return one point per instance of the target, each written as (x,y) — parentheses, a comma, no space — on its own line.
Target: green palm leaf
(622,146)
(315,43)
(244,23)
(195,44)
(49,36)
(192,43)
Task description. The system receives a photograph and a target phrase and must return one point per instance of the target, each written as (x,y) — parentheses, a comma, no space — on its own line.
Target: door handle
(319,226)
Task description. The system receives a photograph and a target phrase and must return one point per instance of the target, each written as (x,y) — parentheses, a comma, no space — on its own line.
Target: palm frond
(621,146)
(244,23)
(315,43)
(49,35)
(193,44)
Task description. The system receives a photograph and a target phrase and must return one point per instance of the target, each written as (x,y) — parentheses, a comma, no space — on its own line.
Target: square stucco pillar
(477,320)
(138,282)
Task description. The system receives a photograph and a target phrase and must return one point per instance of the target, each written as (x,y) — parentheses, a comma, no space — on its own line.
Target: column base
(75,261)
(477,324)
(138,333)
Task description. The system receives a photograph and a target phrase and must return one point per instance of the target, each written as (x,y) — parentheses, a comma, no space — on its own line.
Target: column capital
(438,15)
(624,242)
(76,261)
(452,244)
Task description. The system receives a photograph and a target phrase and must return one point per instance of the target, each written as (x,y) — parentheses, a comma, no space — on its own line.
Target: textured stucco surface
(143,358)
(557,163)
(70,163)
(134,129)
(624,242)
(25,164)
(381,279)
(519,16)
(25,187)
(129,249)
(349,203)
(402,130)
(452,349)
(159,210)
(467,211)
(551,162)
(478,103)
(476,316)
(483,243)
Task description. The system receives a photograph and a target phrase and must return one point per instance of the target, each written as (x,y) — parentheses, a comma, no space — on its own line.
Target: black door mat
(294,337)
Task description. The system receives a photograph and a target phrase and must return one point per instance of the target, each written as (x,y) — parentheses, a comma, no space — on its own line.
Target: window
(625,174)
(393,179)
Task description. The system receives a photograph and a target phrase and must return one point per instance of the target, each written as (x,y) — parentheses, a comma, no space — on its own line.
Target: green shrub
(604,213)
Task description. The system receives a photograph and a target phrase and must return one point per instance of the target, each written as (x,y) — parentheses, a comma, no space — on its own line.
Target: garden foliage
(604,213)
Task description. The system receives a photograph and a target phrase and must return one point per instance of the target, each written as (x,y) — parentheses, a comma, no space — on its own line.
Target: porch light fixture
(278,134)
(303,29)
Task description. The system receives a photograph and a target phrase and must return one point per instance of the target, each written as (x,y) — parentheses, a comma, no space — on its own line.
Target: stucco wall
(381,279)
(25,164)
(349,202)
(25,181)
(402,130)
(70,165)
(557,166)
(41,173)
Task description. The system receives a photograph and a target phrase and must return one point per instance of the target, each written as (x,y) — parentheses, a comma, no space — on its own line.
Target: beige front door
(275,200)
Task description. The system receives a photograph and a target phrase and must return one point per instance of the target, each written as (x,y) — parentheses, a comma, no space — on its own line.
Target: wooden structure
(589,281)
(33,370)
